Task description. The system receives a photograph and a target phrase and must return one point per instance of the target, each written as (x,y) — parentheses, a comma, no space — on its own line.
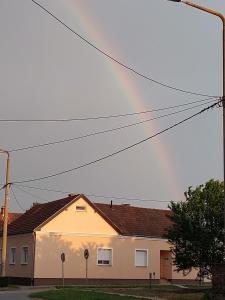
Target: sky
(47,72)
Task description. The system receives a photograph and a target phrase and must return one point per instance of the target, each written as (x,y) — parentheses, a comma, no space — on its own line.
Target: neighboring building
(125,243)
(11,217)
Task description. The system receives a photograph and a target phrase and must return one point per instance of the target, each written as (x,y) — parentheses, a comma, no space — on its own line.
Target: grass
(74,294)
(130,293)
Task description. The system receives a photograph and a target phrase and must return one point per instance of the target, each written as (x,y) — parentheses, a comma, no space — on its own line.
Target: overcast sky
(47,72)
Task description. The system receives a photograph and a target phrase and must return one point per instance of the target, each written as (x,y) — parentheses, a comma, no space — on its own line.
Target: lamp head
(175,0)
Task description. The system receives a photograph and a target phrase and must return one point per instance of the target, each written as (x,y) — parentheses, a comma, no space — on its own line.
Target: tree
(197,234)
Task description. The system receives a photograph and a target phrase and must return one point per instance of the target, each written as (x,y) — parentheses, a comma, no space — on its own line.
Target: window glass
(24,255)
(12,256)
(141,258)
(80,208)
(104,256)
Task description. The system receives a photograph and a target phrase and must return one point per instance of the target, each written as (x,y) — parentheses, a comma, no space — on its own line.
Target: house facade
(90,242)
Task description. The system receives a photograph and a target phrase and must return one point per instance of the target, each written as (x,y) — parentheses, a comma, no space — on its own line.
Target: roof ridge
(129,205)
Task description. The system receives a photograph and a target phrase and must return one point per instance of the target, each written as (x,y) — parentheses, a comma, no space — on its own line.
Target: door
(165,265)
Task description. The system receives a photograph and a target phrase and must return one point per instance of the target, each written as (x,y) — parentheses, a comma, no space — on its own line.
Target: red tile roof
(125,219)
(11,217)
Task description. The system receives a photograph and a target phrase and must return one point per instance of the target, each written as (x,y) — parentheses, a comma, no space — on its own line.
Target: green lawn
(74,294)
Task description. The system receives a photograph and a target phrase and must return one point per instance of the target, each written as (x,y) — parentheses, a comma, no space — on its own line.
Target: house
(11,217)
(90,242)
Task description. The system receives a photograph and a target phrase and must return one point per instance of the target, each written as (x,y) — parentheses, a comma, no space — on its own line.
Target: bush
(3,281)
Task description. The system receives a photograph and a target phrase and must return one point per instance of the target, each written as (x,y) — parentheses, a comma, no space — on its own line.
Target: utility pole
(5,220)
(222,18)
(219,269)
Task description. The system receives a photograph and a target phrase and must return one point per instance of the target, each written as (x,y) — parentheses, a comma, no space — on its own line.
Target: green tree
(197,236)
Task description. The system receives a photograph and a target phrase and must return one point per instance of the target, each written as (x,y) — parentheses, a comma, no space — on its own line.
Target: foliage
(198,232)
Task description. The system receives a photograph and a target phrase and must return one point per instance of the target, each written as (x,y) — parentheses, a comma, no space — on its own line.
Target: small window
(24,255)
(104,257)
(80,208)
(141,257)
(12,256)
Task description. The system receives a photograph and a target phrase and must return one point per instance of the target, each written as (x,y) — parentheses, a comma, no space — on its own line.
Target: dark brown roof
(137,221)
(125,219)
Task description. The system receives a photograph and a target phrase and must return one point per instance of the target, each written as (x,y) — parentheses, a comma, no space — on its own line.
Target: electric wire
(17,201)
(97,196)
(109,116)
(104,131)
(115,60)
(118,151)
(29,193)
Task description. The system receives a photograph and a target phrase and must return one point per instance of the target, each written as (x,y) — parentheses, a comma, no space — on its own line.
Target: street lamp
(5,220)
(221,16)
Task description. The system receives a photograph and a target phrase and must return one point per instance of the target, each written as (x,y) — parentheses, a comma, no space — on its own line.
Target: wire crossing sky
(77,86)
(116,60)
(120,150)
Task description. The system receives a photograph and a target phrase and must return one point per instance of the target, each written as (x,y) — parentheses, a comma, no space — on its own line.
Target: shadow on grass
(118,294)
(72,294)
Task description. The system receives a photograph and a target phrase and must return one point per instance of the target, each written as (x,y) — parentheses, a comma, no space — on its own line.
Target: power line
(103,131)
(15,198)
(114,59)
(30,194)
(118,151)
(108,116)
(97,196)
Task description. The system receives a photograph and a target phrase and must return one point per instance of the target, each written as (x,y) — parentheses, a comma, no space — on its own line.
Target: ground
(114,293)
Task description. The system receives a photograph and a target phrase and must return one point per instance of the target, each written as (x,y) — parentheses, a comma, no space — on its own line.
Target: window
(141,257)
(12,256)
(24,255)
(80,208)
(104,257)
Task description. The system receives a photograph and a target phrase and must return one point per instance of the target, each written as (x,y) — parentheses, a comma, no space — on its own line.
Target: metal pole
(221,16)
(223,20)
(5,222)
(86,270)
(62,273)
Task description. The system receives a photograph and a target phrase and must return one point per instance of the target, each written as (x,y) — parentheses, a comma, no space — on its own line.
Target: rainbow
(127,86)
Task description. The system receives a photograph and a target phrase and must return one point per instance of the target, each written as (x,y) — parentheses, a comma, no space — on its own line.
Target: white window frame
(22,262)
(143,250)
(110,263)
(12,259)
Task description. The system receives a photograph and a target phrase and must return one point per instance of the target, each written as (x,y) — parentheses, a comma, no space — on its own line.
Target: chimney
(111,204)
(72,195)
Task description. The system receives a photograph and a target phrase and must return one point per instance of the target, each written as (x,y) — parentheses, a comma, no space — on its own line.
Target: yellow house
(80,241)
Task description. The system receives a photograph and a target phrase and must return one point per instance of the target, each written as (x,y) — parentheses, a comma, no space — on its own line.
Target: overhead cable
(116,152)
(94,195)
(103,131)
(133,70)
(108,116)
(29,193)
(15,198)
